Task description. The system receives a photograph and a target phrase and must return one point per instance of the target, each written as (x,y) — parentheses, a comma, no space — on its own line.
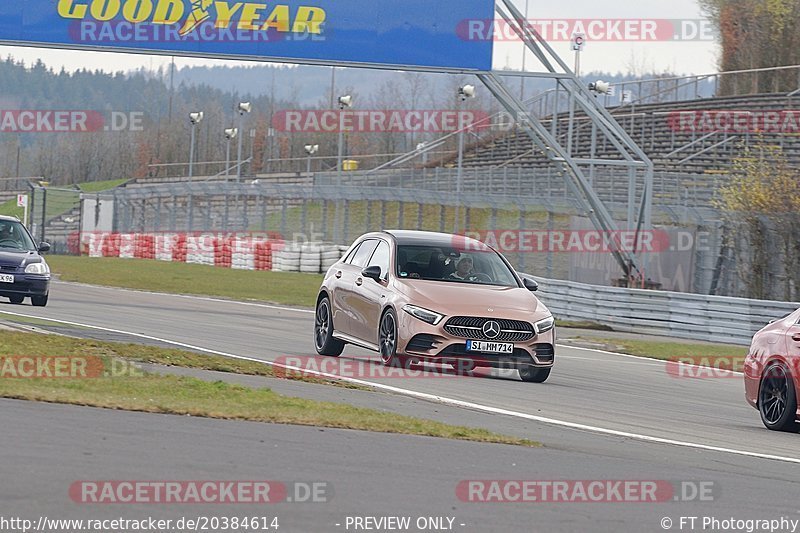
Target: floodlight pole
(191,152)
(228,160)
(340,155)
(239,155)
(244,107)
(459,174)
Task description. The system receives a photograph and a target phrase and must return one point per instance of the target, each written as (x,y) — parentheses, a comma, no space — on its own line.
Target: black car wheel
(16,299)
(39,301)
(777,399)
(531,374)
(324,341)
(387,338)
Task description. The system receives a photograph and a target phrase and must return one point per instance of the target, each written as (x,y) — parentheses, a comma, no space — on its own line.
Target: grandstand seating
(689,165)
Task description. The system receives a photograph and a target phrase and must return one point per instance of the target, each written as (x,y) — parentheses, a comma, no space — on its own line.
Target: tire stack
(287,259)
(127,245)
(263,255)
(310,258)
(243,254)
(329,256)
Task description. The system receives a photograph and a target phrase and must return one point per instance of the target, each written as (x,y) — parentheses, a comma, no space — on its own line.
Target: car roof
(8,218)
(432,238)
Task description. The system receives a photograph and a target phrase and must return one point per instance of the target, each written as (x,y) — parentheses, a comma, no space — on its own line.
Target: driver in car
(6,234)
(9,237)
(464,270)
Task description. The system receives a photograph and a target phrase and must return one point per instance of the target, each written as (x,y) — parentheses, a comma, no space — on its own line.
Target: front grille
(8,268)
(470,327)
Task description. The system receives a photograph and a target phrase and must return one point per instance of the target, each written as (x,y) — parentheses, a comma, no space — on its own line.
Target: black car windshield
(439,263)
(14,236)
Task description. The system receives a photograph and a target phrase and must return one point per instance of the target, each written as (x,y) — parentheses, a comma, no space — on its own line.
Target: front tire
(387,340)
(324,341)
(777,399)
(531,374)
(39,301)
(16,300)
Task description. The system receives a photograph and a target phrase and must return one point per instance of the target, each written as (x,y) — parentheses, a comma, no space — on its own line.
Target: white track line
(443,399)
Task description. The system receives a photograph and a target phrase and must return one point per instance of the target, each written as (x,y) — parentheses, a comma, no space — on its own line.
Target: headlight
(37,268)
(423,314)
(545,325)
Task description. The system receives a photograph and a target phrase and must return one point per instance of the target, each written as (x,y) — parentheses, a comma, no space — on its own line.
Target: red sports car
(772,373)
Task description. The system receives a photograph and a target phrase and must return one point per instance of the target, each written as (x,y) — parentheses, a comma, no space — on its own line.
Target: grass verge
(32,344)
(582,324)
(286,288)
(722,356)
(100,186)
(153,393)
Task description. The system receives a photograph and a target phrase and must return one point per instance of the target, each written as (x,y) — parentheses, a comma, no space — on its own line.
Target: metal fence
(690,316)
(540,184)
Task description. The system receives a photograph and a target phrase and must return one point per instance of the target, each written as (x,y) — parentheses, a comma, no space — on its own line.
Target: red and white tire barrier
(236,251)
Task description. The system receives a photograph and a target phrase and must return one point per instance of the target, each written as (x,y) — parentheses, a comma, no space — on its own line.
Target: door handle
(359,281)
(796,337)
(338,274)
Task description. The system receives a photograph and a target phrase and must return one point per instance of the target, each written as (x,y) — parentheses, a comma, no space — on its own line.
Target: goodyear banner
(421,33)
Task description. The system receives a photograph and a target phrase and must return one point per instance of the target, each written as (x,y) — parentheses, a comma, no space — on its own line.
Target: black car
(23,272)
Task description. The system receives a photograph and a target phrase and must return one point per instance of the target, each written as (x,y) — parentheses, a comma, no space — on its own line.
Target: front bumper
(26,285)
(752,380)
(431,343)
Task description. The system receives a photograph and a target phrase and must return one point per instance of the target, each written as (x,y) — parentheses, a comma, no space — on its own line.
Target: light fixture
(245,107)
(231,133)
(196,117)
(345,101)
(467,91)
(600,87)
(311,149)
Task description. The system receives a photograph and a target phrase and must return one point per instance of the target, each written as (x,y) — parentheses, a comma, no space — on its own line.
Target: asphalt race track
(594,416)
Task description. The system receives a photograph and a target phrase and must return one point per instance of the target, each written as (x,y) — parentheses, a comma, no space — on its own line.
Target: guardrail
(720,319)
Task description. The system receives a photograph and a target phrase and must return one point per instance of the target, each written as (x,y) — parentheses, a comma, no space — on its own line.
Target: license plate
(6,278)
(490,347)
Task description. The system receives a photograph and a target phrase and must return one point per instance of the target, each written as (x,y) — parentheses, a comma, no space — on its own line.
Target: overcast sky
(688,57)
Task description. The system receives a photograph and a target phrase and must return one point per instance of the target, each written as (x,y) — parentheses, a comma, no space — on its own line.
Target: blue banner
(415,33)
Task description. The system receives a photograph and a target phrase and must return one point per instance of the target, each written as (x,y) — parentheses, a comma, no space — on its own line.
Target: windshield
(13,235)
(437,263)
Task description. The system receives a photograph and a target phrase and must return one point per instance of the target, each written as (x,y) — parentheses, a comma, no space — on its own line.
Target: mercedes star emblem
(491,329)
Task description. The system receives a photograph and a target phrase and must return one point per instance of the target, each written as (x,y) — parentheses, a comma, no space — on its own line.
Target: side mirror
(530,284)
(44,247)
(372,272)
